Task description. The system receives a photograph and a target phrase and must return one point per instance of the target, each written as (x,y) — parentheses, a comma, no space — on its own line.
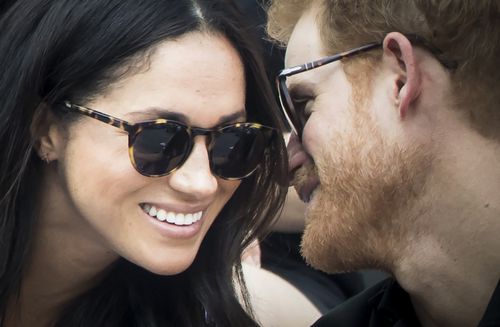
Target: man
(398,152)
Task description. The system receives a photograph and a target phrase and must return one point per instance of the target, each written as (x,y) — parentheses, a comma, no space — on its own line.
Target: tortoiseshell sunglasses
(297,119)
(159,147)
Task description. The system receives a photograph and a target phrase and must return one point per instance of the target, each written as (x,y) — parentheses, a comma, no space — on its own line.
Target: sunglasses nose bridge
(196,131)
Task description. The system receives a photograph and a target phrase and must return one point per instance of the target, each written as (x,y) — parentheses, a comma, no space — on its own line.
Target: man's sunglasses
(297,119)
(159,147)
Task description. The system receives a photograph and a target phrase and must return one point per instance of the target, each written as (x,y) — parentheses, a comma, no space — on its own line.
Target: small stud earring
(45,158)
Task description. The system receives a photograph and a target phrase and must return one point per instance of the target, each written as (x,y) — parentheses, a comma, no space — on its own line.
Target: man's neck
(446,290)
(452,264)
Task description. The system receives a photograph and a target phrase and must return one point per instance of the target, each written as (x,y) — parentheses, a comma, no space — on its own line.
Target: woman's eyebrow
(155,113)
(234,117)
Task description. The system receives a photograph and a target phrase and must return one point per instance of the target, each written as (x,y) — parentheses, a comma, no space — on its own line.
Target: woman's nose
(194,177)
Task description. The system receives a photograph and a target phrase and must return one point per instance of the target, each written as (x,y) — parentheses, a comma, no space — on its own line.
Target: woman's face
(197,79)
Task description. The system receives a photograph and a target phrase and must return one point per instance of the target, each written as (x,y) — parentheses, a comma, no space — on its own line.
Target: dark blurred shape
(281,255)
(256,17)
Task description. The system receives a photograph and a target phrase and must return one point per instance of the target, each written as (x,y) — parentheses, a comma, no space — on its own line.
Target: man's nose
(297,156)
(194,177)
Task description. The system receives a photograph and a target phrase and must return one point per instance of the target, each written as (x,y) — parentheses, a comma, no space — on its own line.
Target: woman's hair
(52,51)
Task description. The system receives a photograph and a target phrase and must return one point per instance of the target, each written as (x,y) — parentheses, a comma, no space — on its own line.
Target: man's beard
(359,215)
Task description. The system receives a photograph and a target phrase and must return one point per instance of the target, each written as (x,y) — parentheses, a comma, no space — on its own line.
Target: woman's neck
(66,260)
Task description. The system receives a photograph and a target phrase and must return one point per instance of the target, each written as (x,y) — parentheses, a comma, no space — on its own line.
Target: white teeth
(161,215)
(188,219)
(179,219)
(171,217)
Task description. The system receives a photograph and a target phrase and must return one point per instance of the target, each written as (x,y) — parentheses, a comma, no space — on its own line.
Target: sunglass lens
(237,150)
(158,151)
(289,108)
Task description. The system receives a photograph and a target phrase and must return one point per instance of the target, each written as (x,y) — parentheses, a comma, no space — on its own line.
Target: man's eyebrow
(301,89)
(156,113)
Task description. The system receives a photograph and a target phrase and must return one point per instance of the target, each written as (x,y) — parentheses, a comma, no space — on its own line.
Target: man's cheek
(316,135)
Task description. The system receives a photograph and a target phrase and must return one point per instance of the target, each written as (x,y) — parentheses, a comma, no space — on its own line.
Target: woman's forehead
(199,76)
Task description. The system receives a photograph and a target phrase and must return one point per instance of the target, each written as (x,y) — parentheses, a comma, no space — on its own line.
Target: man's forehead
(305,42)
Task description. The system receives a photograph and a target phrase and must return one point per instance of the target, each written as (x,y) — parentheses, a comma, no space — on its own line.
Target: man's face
(358,180)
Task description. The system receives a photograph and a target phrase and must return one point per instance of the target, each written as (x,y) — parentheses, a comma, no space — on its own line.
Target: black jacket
(386,304)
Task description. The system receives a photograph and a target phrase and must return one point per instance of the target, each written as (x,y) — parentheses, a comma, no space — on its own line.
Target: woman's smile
(179,229)
(171,217)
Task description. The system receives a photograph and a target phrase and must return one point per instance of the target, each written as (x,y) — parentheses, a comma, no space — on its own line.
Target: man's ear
(45,133)
(399,58)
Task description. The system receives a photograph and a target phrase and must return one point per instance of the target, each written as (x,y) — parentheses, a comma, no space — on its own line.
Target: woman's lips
(172,230)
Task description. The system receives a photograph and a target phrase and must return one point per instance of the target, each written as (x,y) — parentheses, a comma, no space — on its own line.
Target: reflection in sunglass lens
(237,151)
(158,151)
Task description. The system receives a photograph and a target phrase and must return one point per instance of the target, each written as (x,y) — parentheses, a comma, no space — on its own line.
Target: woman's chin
(169,266)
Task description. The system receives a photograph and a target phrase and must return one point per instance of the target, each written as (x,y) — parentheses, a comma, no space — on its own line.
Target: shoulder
(357,310)
(275,301)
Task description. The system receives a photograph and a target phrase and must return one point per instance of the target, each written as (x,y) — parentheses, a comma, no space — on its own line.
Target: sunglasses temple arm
(107,119)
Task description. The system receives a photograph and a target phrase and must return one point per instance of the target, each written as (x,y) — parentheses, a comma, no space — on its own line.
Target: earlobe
(43,132)
(399,58)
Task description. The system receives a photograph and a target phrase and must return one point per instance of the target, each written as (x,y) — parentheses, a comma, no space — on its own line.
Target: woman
(137,162)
